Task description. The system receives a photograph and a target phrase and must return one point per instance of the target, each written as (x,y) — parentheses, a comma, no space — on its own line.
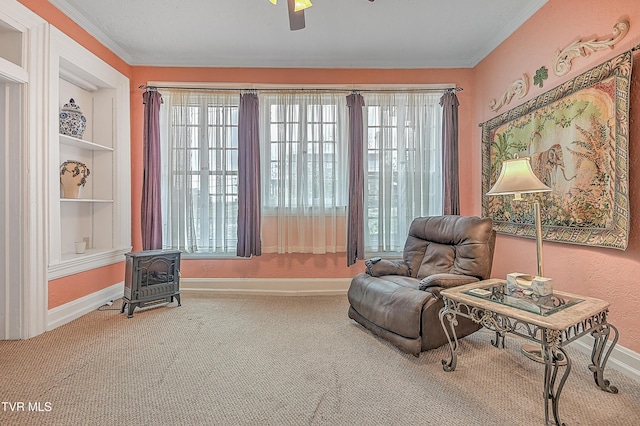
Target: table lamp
(517,178)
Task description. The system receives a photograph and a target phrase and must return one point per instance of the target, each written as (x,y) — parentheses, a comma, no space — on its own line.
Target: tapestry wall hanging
(576,136)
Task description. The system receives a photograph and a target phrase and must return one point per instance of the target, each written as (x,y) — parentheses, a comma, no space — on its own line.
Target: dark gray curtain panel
(249,224)
(355,220)
(451,178)
(151,185)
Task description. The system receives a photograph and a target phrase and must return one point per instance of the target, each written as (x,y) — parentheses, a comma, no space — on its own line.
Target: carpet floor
(268,360)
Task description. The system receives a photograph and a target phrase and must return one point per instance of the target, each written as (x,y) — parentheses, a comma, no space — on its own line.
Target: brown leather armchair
(399,300)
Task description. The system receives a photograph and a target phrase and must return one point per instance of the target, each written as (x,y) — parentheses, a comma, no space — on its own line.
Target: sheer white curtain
(403,165)
(304,184)
(199,150)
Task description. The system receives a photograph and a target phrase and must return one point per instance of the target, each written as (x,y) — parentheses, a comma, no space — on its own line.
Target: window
(304,164)
(304,169)
(403,170)
(306,153)
(200,172)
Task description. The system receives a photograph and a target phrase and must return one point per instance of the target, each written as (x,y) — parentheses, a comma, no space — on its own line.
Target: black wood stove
(151,277)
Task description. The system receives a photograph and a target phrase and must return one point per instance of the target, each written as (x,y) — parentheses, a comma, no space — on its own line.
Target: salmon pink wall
(608,274)
(69,288)
(295,265)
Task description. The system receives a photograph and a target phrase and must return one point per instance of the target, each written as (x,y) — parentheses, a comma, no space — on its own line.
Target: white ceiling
(338,33)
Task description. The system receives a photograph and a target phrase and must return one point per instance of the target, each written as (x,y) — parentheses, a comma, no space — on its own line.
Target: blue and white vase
(72,121)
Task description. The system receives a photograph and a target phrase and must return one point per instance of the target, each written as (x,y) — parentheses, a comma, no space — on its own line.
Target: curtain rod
(321,89)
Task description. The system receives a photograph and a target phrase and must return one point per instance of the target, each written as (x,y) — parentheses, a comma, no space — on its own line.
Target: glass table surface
(525,300)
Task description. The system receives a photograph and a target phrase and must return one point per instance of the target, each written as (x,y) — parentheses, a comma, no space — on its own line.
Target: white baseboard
(69,311)
(622,359)
(269,286)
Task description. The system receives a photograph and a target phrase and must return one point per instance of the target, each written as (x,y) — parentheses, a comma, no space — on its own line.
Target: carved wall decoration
(518,88)
(562,61)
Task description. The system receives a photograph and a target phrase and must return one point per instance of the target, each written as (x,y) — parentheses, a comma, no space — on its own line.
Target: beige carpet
(236,360)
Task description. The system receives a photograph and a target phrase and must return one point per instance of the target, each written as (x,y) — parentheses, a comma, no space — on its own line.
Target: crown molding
(98,34)
(506,31)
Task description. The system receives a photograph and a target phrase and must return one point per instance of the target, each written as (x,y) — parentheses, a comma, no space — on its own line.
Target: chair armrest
(445,281)
(378,267)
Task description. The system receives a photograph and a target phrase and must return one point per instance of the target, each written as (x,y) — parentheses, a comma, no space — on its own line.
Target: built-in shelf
(82,144)
(88,253)
(83,200)
(102,214)
(71,263)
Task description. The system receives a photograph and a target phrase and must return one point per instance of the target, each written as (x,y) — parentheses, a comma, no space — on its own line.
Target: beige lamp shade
(517,177)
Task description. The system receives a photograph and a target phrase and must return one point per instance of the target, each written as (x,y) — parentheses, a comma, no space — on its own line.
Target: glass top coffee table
(551,321)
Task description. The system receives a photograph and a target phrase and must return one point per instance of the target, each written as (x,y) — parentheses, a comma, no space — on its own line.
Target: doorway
(12,212)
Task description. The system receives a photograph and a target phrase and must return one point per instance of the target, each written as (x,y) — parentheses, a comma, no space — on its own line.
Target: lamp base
(534,353)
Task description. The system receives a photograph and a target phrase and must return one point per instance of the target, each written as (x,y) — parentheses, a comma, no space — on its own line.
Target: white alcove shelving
(101,215)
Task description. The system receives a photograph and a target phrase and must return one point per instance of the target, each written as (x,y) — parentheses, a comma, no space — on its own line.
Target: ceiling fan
(296,12)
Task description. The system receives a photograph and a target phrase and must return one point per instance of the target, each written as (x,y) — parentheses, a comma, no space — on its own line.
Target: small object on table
(517,280)
(542,286)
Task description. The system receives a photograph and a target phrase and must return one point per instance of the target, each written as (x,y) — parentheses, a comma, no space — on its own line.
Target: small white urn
(73,175)
(72,121)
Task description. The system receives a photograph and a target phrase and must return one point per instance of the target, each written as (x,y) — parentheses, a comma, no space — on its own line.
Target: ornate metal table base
(552,343)
(599,357)
(554,357)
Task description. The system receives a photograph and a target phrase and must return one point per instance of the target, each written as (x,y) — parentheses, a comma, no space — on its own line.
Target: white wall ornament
(562,61)
(518,88)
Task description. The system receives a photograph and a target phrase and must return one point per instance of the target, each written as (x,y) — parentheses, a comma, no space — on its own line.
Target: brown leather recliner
(399,300)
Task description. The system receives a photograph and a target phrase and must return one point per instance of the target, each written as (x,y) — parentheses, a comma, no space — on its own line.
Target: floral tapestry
(576,136)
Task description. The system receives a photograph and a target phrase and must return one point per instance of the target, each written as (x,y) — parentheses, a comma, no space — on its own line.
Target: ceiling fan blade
(296,19)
